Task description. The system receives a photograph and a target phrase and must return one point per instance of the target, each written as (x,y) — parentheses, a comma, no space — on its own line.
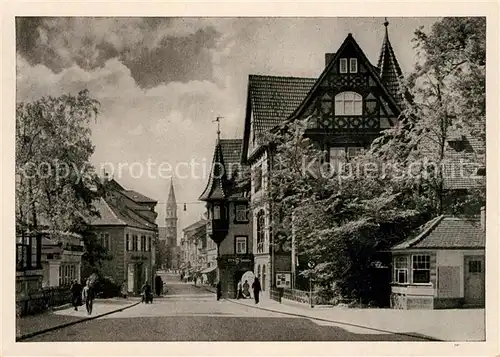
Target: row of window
(219,212)
(353,65)
(420,269)
(67,274)
(136,245)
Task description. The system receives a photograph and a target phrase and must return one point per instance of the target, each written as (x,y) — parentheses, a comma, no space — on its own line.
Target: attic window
(353,62)
(343,65)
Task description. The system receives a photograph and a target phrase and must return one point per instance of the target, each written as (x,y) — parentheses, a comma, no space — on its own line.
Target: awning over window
(209,269)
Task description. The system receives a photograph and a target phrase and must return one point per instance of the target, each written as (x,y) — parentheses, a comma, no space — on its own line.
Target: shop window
(421,269)
(401,270)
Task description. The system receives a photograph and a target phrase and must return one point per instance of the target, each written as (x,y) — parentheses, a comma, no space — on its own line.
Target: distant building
(168,234)
(127,228)
(442,267)
(193,246)
(229,226)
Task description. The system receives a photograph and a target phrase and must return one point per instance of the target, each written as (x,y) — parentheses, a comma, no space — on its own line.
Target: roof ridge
(284,77)
(432,224)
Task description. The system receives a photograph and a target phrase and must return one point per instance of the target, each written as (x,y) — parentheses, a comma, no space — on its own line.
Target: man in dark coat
(256,289)
(76,294)
(219,290)
(158,285)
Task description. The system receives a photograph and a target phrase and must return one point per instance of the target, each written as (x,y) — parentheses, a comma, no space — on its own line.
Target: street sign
(311,264)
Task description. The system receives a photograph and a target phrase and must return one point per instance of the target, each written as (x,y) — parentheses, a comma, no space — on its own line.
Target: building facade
(127,229)
(61,259)
(346,108)
(193,246)
(442,267)
(229,225)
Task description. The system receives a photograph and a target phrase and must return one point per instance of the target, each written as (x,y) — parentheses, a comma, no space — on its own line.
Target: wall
(455,259)
(114,268)
(236,229)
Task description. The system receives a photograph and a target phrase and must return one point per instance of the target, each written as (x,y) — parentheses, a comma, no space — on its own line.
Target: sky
(161,83)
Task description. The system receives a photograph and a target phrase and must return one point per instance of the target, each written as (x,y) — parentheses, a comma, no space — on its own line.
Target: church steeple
(171,216)
(389,71)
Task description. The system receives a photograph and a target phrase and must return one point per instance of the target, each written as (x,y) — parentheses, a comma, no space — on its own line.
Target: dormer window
(353,65)
(343,65)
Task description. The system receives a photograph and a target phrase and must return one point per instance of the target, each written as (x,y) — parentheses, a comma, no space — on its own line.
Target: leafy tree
(448,91)
(341,216)
(55,183)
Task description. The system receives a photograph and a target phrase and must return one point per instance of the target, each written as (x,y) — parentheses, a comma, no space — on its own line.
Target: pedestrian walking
(76,294)
(239,290)
(147,296)
(158,285)
(256,289)
(88,297)
(124,289)
(219,290)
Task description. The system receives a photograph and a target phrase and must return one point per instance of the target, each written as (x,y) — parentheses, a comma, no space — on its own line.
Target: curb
(423,337)
(36,333)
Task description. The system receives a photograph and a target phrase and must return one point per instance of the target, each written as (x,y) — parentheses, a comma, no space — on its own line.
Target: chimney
(483,218)
(328,58)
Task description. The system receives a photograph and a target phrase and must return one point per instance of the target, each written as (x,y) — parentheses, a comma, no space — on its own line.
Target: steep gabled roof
(217,180)
(273,99)
(349,41)
(231,154)
(138,197)
(447,233)
(270,101)
(107,215)
(389,70)
(111,215)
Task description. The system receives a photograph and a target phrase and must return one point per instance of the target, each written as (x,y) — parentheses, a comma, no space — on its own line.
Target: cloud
(157,50)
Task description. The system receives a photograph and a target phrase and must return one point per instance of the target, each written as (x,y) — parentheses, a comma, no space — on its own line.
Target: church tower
(171,217)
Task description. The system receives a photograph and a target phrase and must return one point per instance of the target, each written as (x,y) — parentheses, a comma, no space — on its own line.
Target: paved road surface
(188,313)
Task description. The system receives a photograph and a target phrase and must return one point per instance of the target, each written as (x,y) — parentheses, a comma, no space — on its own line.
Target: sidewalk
(444,325)
(32,325)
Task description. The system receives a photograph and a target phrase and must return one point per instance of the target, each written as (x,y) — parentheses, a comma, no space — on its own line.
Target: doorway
(474,289)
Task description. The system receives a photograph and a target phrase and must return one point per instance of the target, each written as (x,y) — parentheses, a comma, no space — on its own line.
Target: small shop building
(442,267)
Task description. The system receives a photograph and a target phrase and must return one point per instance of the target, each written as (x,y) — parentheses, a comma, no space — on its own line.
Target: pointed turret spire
(389,71)
(171,195)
